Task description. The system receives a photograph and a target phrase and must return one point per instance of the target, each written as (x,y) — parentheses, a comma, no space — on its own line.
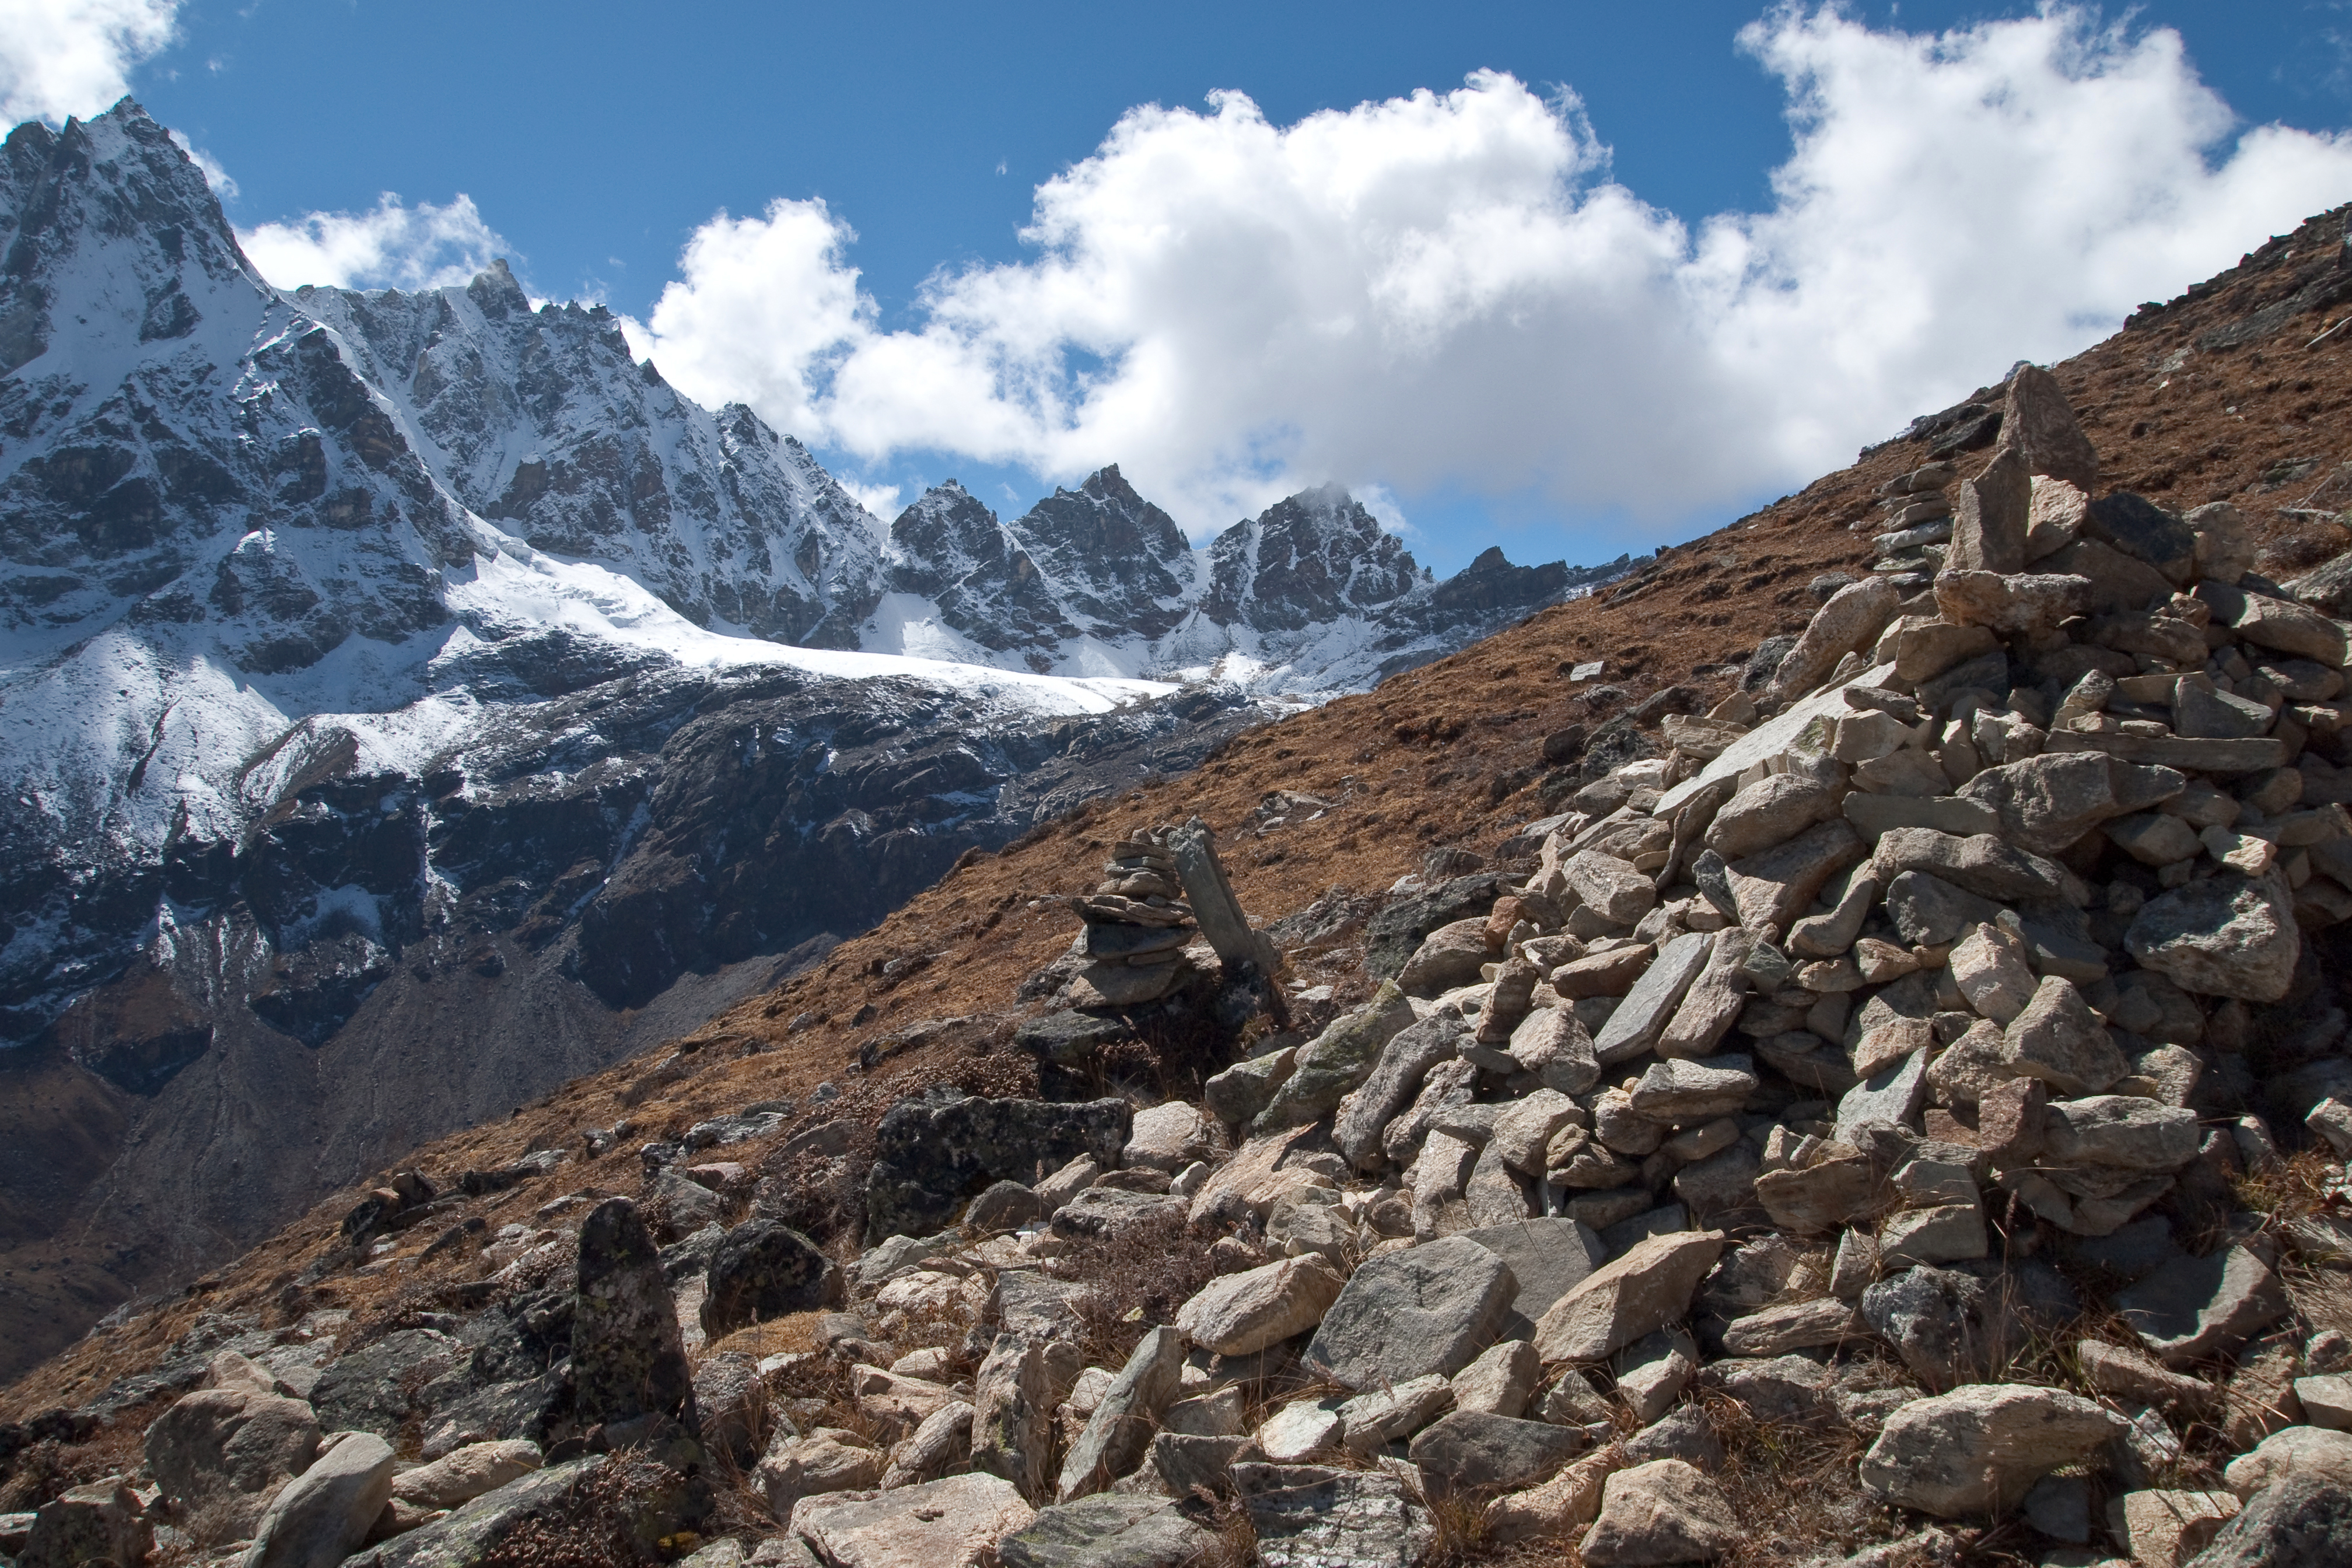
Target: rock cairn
(1137,925)
(1894,1027)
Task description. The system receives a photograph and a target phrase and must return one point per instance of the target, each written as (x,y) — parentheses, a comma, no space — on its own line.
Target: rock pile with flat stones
(1879,1065)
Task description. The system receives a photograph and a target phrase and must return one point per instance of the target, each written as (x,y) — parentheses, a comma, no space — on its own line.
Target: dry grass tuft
(1136,1278)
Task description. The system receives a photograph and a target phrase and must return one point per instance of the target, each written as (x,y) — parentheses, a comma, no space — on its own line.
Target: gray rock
(1714,999)
(2203,1306)
(2039,425)
(955,1521)
(228,1450)
(1308,1516)
(1003,1206)
(377,1387)
(321,1516)
(2223,936)
(1336,1060)
(1036,1305)
(1101,1211)
(1241,1314)
(1382,1415)
(1989,523)
(1115,1436)
(1782,1390)
(1472,1449)
(2057,1039)
(1552,1044)
(98,1523)
(1633,1028)
(2118,1131)
(1112,1530)
(1980,862)
(1663,1512)
(762,1269)
(1238,1094)
(1013,1413)
(797,1468)
(1980,1450)
(1773,810)
(2047,802)
(1775,887)
(1929,911)
(1449,956)
(1366,1112)
(2059,1508)
(2297,1521)
(1893,1096)
(1183,1464)
(1686,1091)
(1684,1433)
(1849,621)
(1430,1308)
(732,1403)
(928,1153)
(1547,1259)
(1501,1381)
(1645,1289)
(1947,1325)
(628,1357)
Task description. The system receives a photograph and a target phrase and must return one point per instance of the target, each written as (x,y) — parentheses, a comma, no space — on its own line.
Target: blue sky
(596,140)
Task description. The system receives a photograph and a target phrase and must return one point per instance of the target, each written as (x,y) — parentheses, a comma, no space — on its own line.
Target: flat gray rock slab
(1406,1314)
(1895,1095)
(1113,1530)
(1548,1257)
(2197,1307)
(1635,1027)
(1310,1516)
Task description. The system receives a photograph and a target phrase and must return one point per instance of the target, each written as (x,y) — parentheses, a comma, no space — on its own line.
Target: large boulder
(1977,1449)
(1646,1288)
(228,1450)
(1403,1315)
(1238,1314)
(952,1523)
(762,1269)
(1308,1516)
(931,1154)
(321,1516)
(2297,1521)
(1115,1436)
(472,1531)
(2223,936)
(1111,1530)
(628,1357)
(376,1388)
(1336,1060)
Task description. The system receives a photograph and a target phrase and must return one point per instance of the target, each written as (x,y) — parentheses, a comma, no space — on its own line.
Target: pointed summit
(1312,557)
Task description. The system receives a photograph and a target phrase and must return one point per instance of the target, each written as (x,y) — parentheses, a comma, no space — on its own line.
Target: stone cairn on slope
(1830,1068)
(1137,924)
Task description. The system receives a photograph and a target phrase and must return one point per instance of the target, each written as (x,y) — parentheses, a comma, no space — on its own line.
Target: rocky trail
(1828,1052)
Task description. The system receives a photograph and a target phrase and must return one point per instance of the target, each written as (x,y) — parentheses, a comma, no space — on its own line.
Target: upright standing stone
(1988,532)
(2039,423)
(628,1357)
(1213,904)
(1121,1429)
(1013,1413)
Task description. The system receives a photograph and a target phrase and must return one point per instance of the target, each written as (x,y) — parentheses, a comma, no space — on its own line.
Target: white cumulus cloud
(62,58)
(1450,288)
(390,247)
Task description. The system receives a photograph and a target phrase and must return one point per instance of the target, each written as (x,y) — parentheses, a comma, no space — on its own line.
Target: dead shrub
(1136,1278)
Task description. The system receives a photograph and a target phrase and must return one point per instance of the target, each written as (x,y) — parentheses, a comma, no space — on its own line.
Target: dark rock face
(763,1269)
(2299,1522)
(1121,564)
(929,1155)
(1393,935)
(951,550)
(627,1359)
(1310,559)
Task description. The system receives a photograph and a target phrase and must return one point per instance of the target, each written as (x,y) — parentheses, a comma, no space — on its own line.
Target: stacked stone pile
(1137,925)
(1913,1058)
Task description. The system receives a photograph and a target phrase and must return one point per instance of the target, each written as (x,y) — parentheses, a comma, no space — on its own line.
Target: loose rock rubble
(1922,1066)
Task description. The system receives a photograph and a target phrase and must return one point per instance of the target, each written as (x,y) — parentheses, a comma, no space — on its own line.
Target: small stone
(1119,1431)
(2292,1450)
(1989,967)
(2118,1131)
(1240,1314)
(1301,1430)
(1633,1029)
(1646,1288)
(322,1515)
(1851,620)
(1500,1381)
(1793,1326)
(2223,936)
(952,1523)
(2058,1039)
(1308,1516)
(2326,1400)
(2166,1529)
(1653,1372)
(1893,1096)
(1694,1089)
(2040,426)
(1665,1511)
(1564,1504)
(1112,1530)
(1951,1232)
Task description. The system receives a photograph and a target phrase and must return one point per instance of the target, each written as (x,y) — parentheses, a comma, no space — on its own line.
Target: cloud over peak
(1449,287)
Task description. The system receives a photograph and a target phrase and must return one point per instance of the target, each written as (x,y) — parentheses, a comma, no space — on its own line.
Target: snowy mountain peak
(1313,557)
(1120,563)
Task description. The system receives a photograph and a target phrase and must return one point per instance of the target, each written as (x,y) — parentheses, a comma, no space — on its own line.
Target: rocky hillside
(1830,1052)
(408,702)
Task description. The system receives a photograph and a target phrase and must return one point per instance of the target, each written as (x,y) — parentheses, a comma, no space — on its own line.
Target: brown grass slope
(2218,394)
